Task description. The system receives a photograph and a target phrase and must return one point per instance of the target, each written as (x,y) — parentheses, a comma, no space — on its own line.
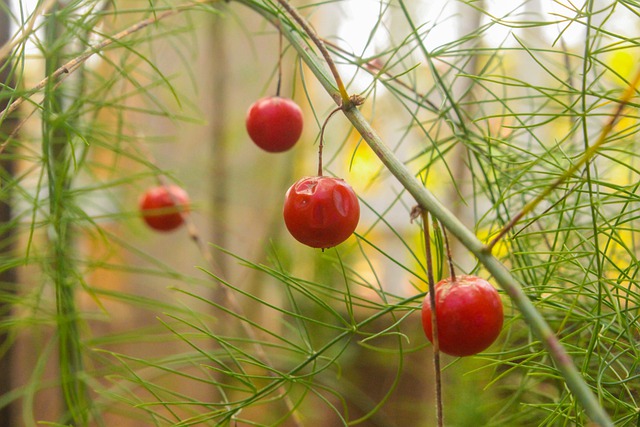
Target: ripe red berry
(321,211)
(469,314)
(274,123)
(162,207)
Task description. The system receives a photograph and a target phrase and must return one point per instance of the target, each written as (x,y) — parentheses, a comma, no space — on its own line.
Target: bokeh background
(170,101)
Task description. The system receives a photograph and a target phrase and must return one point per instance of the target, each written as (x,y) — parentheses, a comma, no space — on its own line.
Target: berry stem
(279,84)
(452,270)
(434,318)
(321,143)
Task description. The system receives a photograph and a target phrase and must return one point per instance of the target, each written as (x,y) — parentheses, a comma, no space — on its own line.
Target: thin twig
(586,157)
(279,84)
(345,100)
(72,65)
(233,304)
(26,31)
(452,270)
(371,66)
(418,211)
(321,143)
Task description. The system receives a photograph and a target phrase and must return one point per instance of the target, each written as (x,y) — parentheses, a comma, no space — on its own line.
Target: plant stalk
(507,282)
(434,317)
(588,154)
(55,149)
(426,200)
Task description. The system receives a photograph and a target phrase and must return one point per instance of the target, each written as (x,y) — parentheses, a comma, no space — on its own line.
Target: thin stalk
(426,200)
(586,65)
(344,95)
(219,140)
(441,85)
(434,315)
(279,83)
(589,153)
(7,46)
(321,143)
(55,148)
(452,270)
(69,67)
(375,69)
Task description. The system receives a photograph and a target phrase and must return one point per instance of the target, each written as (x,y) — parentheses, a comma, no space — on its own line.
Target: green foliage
(124,327)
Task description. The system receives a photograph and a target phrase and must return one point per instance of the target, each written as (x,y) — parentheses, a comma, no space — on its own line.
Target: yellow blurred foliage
(363,164)
(501,248)
(623,62)
(626,124)
(619,247)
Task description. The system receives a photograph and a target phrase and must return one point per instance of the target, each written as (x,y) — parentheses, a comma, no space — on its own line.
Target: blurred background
(484,101)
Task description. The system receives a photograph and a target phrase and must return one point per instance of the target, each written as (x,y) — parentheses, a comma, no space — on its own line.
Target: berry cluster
(322,212)
(319,211)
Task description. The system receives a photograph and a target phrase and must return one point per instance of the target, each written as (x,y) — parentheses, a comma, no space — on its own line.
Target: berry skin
(321,211)
(161,207)
(469,313)
(274,123)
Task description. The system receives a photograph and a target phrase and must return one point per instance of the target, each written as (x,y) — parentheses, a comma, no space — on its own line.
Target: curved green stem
(55,148)
(429,202)
(536,322)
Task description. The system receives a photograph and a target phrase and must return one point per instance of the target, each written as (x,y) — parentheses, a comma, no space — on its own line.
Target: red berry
(469,315)
(161,207)
(274,123)
(321,211)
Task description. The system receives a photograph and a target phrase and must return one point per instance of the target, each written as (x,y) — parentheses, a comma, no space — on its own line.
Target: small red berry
(162,207)
(321,211)
(469,314)
(274,123)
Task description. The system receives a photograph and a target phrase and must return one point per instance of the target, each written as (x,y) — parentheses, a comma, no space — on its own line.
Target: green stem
(589,153)
(574,380)
(536,322)
(586,65)
(55,148)
(434,318)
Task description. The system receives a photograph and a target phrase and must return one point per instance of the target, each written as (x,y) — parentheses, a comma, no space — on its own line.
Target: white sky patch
(358,19)
(563,12)
(22,17)
(500,14)
(357,22)
(21,11)
(439,17)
